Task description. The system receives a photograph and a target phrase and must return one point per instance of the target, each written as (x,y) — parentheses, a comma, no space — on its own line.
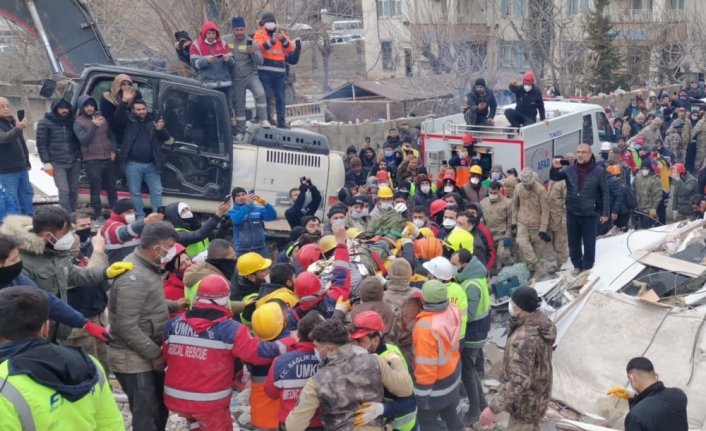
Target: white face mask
(511,309)
(385,205)
(401,207)
(187,214)
(129,218)
(496,175)
(527,87)
(425,189)
(475,180)
(388,153)
(645,172)
(270,26)
(448,189)
(383,185)
(357,215)
(171,252)
(493,197)
(64,243)
(418,222)
(449,223)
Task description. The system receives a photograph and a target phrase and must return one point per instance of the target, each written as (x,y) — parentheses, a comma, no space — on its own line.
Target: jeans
(428,420)
(101,173)
(66,180)
(228,92)
(145,394)
(582,231)
(273,83)
(518,119)
(19,190)
(474,387)
(239,97)
(136,173)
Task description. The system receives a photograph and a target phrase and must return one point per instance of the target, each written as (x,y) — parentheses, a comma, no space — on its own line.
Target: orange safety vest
(277,52)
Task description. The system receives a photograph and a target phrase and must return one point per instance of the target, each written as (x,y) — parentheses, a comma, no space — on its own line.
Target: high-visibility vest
(457,296)
(409,421)
(196,248)
(483,308)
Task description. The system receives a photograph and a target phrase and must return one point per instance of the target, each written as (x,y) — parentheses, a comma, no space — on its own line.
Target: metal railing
(314,111)
(635,15)
(482,131)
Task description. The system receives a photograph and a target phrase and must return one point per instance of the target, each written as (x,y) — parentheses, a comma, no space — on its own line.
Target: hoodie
(190,231)
(215,74)
(477,327)
(97,143)
(111,103)
(56,141)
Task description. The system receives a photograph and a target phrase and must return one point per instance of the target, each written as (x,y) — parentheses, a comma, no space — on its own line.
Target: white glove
(368,413)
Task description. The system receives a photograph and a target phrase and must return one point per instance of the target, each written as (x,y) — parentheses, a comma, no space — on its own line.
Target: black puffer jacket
(56,141)
(658,408)
(14,149)
(593,198)
(134,129)
(618,198)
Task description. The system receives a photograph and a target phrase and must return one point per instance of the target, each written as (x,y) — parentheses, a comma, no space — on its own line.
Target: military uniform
(530,212)
(675,144)
(648,193)
(557,223)
(498,218)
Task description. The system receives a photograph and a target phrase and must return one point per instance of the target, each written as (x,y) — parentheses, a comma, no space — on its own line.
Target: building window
(578,7)
(389,8)
(505,7)
(388,61)
(642,4)
(520,8)
(676,4)
(511,55)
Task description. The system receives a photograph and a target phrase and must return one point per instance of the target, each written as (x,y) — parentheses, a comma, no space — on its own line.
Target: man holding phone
(247,58)
(14,165)
(213,59)
(249,214)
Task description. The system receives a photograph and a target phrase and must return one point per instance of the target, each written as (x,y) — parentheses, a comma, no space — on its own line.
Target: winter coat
(530,207)
(658,408)
(648,192)
(676,144)
(245,64)
(526,374)
(214,74)
(52,270)
(249,226)
(474,194)
(498,217)
(274,53)
(14,148)
(111,103)
(684,189)
(473,98)
(593,198)
(56,140)
(97,143)
(295,213)
(381,308)
(652,135)
(557,205)
(190,232)
(699,133)
(529,103)
(618,196)
(472,278)
(397,295)
(138,313)
(120,237)
(135,129)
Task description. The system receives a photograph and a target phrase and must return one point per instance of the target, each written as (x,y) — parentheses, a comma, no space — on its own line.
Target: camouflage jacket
(675,144)
(526,375)
(648,192)
(557,205)
(386,223)
(530,207)
(497,216)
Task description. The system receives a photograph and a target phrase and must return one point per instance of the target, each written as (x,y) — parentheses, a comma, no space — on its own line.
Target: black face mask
(226,266)
(9,273)
(604,156)
(83,234)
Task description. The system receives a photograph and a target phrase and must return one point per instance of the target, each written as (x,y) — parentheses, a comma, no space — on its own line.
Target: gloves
(368,413)
(545,237)
(652,214)
(513,228)
(49,169)
(343,305)
(620,392)
(507,241)
(99,332)
(261,200)
(118,268)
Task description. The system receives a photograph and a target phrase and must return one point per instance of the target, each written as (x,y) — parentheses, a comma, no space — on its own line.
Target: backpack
(630,200)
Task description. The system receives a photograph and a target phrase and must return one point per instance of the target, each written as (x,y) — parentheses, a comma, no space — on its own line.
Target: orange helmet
(679,167)
(427,248)
(614,170)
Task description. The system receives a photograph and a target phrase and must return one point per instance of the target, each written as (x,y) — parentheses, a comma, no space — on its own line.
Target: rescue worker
(530,219)
(474,191)
(437,370)
(441,269)
(472,276)
(619,206)
(122,229)
(399,413)
(472,221)
(397,295)
(652,405)
(685,186)
(371,299)
(347,377)
(253,271)
(559,245)
(200,350)
(249,214)
(213,59)
(192,234)
(512,180)
(289,372)
(648,194)
(47,386)
(526,375)
(674,142)
(497,212)
(274,45)
(529,102)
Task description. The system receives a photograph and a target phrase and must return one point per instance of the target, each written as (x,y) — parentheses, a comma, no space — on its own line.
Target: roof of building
(397,89)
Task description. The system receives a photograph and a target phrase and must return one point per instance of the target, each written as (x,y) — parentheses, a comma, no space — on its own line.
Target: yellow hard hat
(252,262)
(268,321)
(458,239)
(327,243)
(476,169)
(385,193)
(282,294)
(426,232)
(352,233)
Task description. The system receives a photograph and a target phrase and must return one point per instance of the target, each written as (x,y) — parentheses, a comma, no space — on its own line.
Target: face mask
(645,172)
(367,348)
(493,197)
(462,154)
(383,185)
(418,222)
(388,153)
(511,309)
(425,189)
(64,243)
(270,26)
(187,214)
(130,218)
(604,156)
(9,273)
(449,223)
(225,266)
(496,176)
(365,212)
(317,354)
(527,87)
(448,189)
(171,252)
(475,180)
(83,234)
(694,117)
(401,207)
(357,215)
(637,146)
(385,205)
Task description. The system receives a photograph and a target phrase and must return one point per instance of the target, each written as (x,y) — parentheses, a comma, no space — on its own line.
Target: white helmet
(440,268)
(606,146)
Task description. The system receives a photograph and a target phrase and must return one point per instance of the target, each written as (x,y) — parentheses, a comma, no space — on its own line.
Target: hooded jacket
(190,232)
(473,278)
(97,143)
(473,98)
(217,73)
(63,385)
(526,375)
(56,140)
(14,148)
(111,103)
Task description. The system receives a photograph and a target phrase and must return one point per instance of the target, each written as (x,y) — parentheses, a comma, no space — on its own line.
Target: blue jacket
(249,226)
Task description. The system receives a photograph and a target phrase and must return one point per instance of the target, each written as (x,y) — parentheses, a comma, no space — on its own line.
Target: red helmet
(382,176)
(179,250)
(467,138)
(213,287)
(436,207)
(307,287)
(680,168)
(528,77)
(366,323)
(309,254)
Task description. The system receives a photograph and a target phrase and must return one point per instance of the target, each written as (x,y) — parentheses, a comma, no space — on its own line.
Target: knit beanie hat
(123,205)
(371,289)
(434,292)
(267,17)
(526,298)
(399,272)
(237,22)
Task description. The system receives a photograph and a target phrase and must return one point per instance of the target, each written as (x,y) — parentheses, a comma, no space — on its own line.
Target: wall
(343,135)
(345,62)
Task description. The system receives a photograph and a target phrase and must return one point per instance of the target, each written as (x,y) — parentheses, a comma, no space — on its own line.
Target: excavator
(204,163)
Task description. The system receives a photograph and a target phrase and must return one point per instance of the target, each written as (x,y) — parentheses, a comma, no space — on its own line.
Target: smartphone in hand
(20,115)
(160,210)
(248,42)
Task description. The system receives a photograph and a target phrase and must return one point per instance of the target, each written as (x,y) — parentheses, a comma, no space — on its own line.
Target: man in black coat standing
(653,407)
(587,204)
(529,102)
